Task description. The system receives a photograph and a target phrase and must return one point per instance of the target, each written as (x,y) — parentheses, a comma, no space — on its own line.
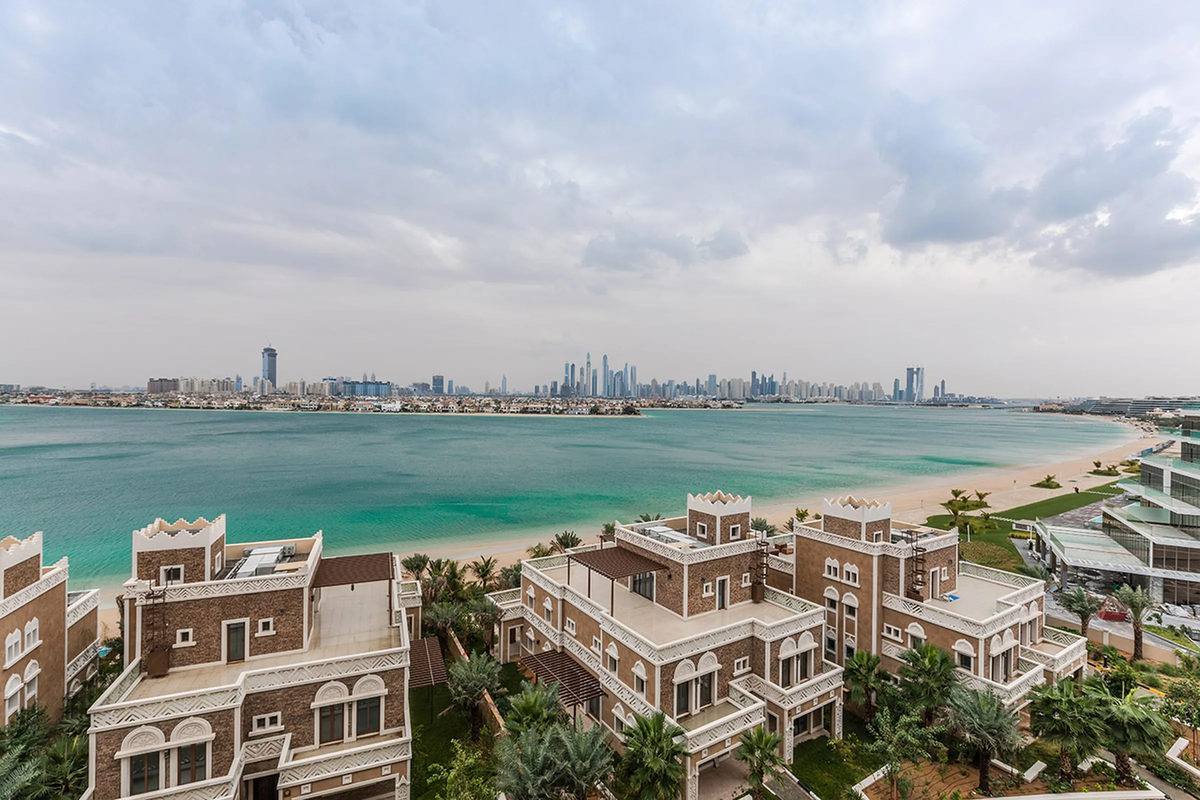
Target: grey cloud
(640,250)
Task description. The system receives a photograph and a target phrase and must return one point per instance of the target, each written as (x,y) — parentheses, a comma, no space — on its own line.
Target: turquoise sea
(88,477)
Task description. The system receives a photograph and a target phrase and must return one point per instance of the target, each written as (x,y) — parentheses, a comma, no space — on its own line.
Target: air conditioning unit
(288,550)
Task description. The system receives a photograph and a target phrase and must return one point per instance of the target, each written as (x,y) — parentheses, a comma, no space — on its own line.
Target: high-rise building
(920,375)
(910,378)
(439,384)
(449,387)
(712,385)
(587,374)
(896,391)
(606,376)
(503,384)
(943,387)
(573,389)
(594,376)
(566,384)
(268,365)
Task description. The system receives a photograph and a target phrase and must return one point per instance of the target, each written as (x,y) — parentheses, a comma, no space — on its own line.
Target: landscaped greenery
(434,734)
(831,769)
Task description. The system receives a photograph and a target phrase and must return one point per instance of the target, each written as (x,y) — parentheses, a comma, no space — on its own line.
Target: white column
(1156,589)
(789,738)
(692,791)
(837,719)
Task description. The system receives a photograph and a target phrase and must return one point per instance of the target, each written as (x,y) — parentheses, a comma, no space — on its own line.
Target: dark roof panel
(354,569)
(616,562)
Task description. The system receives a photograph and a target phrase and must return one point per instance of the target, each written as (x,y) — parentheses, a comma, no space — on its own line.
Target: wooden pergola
(614,563)
(576,685)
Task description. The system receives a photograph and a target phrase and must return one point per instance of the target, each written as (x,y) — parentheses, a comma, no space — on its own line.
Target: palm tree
(442,618)
(565,541)
(537,707)
(956,494)
(983,722)
(865,678)
(792,524)
(981,496)
(16,773)
(539,550)
(759,749)
(648,517)
(608,531)
(1082,605)
(802,514)
(415,565)
(64,768)
(486,614)
(1139,603)
(526,767)
(1067,719)
(585,759)
(484,570)
(467,681)
(956,519)
(652,766)
(1133,728)
(510,576)
(927,677)
(760,524)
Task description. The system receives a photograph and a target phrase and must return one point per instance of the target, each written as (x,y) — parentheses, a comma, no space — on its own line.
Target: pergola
(426,667)
(343,570)
(576,685)
(614,563)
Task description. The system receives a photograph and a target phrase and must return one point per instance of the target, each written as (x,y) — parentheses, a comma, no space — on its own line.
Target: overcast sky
(1006,193)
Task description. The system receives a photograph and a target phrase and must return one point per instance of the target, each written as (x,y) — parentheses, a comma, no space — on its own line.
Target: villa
(260,670)
(681,616)
(887,586)
(50,645)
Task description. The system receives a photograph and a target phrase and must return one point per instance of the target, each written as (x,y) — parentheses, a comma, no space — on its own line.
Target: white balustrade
(80,608)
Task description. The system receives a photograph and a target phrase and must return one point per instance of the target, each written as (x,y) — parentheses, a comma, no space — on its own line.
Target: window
(593,708)
(529,598)
(639,685)
(193,762)
(802,665)
(183,638)
(643,584)
(745,579)
(512,634)
(683,698)
(892,632)
(266,722)
(612,663)
(332,728)
(266,627)
(850,574)
(831,604)
(849,651)
(548,613)
(596,643)
(12,647)
(171,574)
(741,665)
(830,644)
(570,625)
(618,723)
(877,536)
(706,690)
(12,697)
(966,662)
(701,530)
(785,672)
(945,573)
(772,722)
(143,772)
(31,683)
(851,612)
(707,589)
(366,716)
(831,568)
(735,532)
(31,633)
(915,641)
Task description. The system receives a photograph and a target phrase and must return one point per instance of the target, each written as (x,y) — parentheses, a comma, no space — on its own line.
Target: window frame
(157,772)
(333,709)
(195,747)
(261,723)
(266,627)
(167,569)
(374,710)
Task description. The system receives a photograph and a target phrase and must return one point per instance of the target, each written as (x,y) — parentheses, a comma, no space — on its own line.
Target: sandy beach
(912,502)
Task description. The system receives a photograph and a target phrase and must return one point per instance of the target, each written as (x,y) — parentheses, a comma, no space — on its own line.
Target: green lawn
(995,549)
(1174,636)
(433,736)
(820,767)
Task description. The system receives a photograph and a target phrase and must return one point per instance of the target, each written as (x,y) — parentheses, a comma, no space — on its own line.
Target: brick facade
(192,559)
(22,574)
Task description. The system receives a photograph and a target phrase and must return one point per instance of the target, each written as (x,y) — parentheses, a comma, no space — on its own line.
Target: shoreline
(911,502)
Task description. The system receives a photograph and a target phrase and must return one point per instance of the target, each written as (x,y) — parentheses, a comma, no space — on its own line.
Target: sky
(1005,193)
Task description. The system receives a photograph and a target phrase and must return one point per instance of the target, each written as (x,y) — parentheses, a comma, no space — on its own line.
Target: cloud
(640,250)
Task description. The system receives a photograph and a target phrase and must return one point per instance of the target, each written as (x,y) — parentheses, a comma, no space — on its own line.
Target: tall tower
(606,377)
(268,367)
(587,375)
(920,384)
(910,378)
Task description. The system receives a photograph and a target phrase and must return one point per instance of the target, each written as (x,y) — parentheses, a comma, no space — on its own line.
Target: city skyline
(835,187)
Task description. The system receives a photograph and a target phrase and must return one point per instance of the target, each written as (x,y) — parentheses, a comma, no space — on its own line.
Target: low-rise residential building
(1149,538)
(678,616)
(50,644)
(888,586)
(257,670)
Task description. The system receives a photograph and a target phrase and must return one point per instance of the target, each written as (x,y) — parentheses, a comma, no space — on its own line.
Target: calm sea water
(88,477)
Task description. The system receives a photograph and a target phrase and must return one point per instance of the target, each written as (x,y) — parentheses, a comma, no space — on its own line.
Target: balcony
(985,601)
(726,719)
(1059,652)
(345,758)
(1029,675)
(828,680)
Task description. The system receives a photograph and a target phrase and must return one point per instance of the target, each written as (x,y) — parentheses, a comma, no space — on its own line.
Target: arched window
(141,761)
(12,646)
(639,678)
(916,635)
(32,670)
(329,709)
(12,696)
(850,574)
(831,568)
(612,656)
(31,633)
(368,699)
(191,741)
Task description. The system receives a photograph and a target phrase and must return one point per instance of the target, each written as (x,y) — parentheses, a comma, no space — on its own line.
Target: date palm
(536,707)
(865,679)
(565,541)
(17,774)
(981,496)
(486,614)
(927,677)
(467,681)
(1083,605)
(802,514)
(526,767)
(415,565)
(585,759)
(1139,603)
(64,769)
(652,766)
(957,494)
(1133,728)
(648,517)
(1069,720)
(983,723)
(484,570)
(759,750)
(510,576)
(539,550)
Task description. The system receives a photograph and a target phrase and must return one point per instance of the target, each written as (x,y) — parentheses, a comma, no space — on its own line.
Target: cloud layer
(500,187)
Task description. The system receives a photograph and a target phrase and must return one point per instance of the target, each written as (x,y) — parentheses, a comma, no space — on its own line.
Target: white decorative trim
(798,695)
(311,770)
(56,575)
(231,587)
(82,606)
(81,661)
(948,619)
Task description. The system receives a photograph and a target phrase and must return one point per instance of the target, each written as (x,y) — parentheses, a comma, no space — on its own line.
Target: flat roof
(974,598)
(344,570)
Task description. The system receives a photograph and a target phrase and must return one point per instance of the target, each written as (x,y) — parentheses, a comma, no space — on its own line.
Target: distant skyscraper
(439,384)
(920,384)
(606,377)
(943,387)
(268,365)
(587,374)
(896,391)
(712,385)
(594,387)
(503,384)
(572,390)
(449,387)
(910,380)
